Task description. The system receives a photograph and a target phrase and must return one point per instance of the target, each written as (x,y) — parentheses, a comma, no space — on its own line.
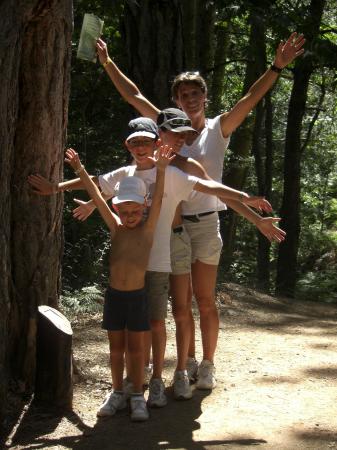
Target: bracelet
(107,62)
(79,170)
(275,68)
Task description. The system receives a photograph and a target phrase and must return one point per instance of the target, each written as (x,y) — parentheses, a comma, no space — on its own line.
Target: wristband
(107,62)
(79,170)
(275,68)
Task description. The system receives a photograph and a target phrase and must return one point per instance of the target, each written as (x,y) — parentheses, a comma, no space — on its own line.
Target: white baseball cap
(130,189)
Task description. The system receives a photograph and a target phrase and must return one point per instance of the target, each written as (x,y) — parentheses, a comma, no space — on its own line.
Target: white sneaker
(113,402)
(181,385)
(206,375)
(192,368)
(147,374)
(139,411)
(157,395)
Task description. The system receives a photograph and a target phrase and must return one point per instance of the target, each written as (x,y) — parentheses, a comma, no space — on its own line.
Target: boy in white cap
(125,306)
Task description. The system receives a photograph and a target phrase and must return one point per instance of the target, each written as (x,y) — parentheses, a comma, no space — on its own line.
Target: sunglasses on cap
(176,122)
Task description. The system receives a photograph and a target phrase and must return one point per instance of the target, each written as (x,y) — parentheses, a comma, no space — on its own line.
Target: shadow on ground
(171,427)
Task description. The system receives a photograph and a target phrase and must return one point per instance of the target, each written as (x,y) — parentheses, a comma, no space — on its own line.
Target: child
(125,304)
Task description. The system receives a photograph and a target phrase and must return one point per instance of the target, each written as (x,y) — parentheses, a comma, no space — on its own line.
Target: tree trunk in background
(260,152)
(154,43)
(263,251)
(290,210)
(216,92)
(35,54)
(206,41)
(190,36)
(241,145)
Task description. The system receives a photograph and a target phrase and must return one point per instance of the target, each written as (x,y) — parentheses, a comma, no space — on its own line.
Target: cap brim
(142,133)
(183,128)
(128,198)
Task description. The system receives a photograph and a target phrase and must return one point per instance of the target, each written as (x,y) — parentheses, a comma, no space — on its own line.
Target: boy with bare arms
(125,306)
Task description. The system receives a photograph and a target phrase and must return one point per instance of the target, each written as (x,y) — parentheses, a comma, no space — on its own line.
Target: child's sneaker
(139,411)
(206,375)
(181,385)
(157,395)
(113,402)
(192,368)
(147,374)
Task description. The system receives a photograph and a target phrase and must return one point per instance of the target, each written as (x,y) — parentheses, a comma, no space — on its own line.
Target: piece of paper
(91,31)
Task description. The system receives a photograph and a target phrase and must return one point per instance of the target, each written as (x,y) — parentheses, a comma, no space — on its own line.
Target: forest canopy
(237,45)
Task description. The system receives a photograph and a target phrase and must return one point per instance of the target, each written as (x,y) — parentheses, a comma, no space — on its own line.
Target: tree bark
(154,41)
(241,145)
(290,210)
(35,55)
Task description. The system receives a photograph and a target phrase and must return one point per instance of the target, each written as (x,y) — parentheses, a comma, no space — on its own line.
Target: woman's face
(191,99)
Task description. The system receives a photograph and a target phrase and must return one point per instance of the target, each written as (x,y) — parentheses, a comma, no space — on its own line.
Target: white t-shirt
(178,186)
(208,148)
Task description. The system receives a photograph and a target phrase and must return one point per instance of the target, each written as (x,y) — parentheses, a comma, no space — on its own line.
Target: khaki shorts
(156,287)
(180,251)
(206,242)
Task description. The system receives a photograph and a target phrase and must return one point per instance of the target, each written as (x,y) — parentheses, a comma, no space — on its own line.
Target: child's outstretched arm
(108,216)
(162,159)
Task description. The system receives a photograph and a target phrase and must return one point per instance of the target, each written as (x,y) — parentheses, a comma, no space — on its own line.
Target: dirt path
(277,388)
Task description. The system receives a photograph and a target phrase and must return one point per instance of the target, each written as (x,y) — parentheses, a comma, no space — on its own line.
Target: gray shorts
(156,287)
(180,251)
(205,238)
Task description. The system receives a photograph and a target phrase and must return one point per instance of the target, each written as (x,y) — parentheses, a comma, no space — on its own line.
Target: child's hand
(163,156)
(83,211)
(73,159)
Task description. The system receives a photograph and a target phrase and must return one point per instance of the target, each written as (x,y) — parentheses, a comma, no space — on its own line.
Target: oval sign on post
(57,318)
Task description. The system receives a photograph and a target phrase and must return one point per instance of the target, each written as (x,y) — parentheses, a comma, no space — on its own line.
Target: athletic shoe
(127,387)
(113,402)
(206,375)
(139,411)
(192,368)
(181,385)
(147,374)
(157,395)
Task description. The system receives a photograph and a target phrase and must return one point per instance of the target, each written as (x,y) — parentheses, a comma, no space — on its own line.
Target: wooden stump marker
(54,371)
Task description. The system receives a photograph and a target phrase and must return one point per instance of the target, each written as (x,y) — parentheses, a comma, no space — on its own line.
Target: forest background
(285,150)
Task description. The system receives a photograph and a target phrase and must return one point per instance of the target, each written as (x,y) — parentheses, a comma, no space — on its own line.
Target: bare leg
(117,348)
(147,347)
(158,331)
(191,347)
(204,280)
(179,288)
(136,359)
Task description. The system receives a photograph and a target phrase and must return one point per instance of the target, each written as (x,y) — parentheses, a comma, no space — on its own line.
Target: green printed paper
(91,31)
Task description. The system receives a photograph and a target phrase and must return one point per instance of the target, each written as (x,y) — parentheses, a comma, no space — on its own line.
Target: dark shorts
(125,309)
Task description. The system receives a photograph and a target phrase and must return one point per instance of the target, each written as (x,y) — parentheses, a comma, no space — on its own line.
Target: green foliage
(98,116)
(86,300)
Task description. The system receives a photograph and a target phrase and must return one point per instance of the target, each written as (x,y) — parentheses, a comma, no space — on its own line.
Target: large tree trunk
(241,144)
(154,41)
(290,210)
(35,58)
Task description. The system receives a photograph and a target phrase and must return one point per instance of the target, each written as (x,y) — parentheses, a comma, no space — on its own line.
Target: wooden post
(54,372)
